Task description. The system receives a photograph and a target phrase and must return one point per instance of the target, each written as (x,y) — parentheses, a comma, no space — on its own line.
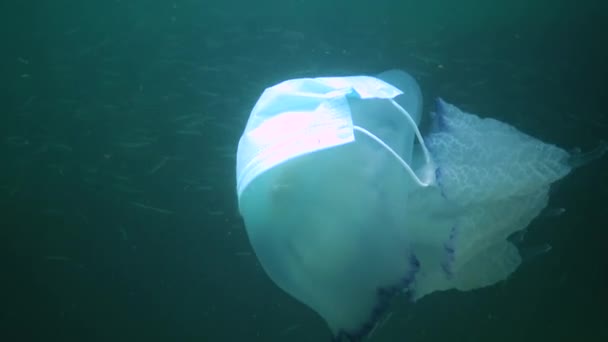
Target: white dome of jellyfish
(347,203)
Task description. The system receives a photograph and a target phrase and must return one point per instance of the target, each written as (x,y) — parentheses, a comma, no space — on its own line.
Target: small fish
(147,207)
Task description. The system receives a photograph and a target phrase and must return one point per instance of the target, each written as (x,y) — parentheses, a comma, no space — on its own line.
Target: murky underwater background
(118,133)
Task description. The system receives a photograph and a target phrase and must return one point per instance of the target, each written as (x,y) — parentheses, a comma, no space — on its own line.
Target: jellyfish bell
(346,203)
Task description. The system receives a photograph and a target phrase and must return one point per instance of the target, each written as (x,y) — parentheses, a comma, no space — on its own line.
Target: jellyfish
(346,203)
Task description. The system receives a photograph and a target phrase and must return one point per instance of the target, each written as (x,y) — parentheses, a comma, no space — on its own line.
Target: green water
(118,132)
